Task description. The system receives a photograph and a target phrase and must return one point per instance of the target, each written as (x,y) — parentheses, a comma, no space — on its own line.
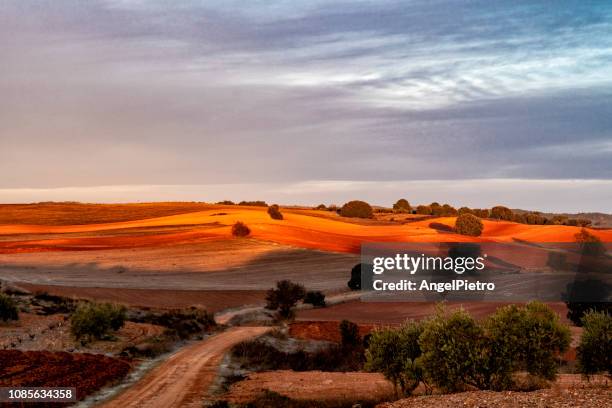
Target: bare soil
(313,385)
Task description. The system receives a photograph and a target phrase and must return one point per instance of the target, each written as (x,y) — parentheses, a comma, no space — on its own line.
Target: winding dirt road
(184,378)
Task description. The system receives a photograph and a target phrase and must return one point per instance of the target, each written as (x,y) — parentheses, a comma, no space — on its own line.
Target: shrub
(595,349)
(468,224)
(357,209)
(482,212)
(524,338)
(95,321)
(315,298)
(274,212)
(465,210)
(284,297)
(321,207)
(182,322)
(502,213)
(424,210)
(254,203)
(452,350)
(240,229)
(226,202)
(355,282)
(395,353)
(448,210)
(402,205)
(589,243)
(8,308)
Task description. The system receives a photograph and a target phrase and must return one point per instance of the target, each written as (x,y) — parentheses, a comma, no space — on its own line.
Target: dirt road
(183,379)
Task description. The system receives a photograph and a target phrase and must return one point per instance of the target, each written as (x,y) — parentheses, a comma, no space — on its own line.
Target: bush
(240,229)
(595,349)
(284,297)
(533,337)
(502,213)
(395,353)
(226,202)
(465,210)
(424,210)
(274,212)
(254,203)
(468,224)
(8,308)
(357,209)
(402,205)
(451,348)
(182,322)
(315,298)
(95,321)
(482,212)
(448,210)
(321,207)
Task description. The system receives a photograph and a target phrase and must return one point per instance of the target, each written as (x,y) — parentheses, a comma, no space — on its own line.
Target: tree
(94,321)
(595,350)
(465,210)
(321,207)
(448,210)
(240,229)
(395,353)
(402,205)
(468,224)
(590,244)
(284,297)
(8,308)
(274,212)
(424,210)
(315,298)
(452,349)
(357,209)
(502,213)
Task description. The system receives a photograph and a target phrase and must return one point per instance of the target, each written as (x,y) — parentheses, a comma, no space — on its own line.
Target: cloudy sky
(467,102)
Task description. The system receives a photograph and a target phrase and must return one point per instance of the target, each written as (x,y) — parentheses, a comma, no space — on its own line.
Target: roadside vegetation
(8,308)
(453,351)
(96,321)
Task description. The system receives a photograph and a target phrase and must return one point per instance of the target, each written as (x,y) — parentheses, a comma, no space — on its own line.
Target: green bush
(274,212)
(95,321)
(468,224)
(357,209)
(595,349)
(315,298)
(452,350)
(532,337)
(285,297)
(240,229)
(395,354)
(402,205)
(8,308)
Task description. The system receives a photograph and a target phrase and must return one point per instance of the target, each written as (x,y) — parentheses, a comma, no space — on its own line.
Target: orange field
(297,229)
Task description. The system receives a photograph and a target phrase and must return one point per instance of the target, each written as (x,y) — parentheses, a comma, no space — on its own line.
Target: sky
(305,102)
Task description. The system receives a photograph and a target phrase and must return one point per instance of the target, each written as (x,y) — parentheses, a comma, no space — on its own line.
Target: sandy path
(184,378)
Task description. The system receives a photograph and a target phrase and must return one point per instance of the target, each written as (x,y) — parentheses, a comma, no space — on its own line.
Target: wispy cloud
(131,92)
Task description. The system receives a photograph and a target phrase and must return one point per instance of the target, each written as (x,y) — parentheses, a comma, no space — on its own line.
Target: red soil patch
(86,372)
(328,331)
(211,300)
